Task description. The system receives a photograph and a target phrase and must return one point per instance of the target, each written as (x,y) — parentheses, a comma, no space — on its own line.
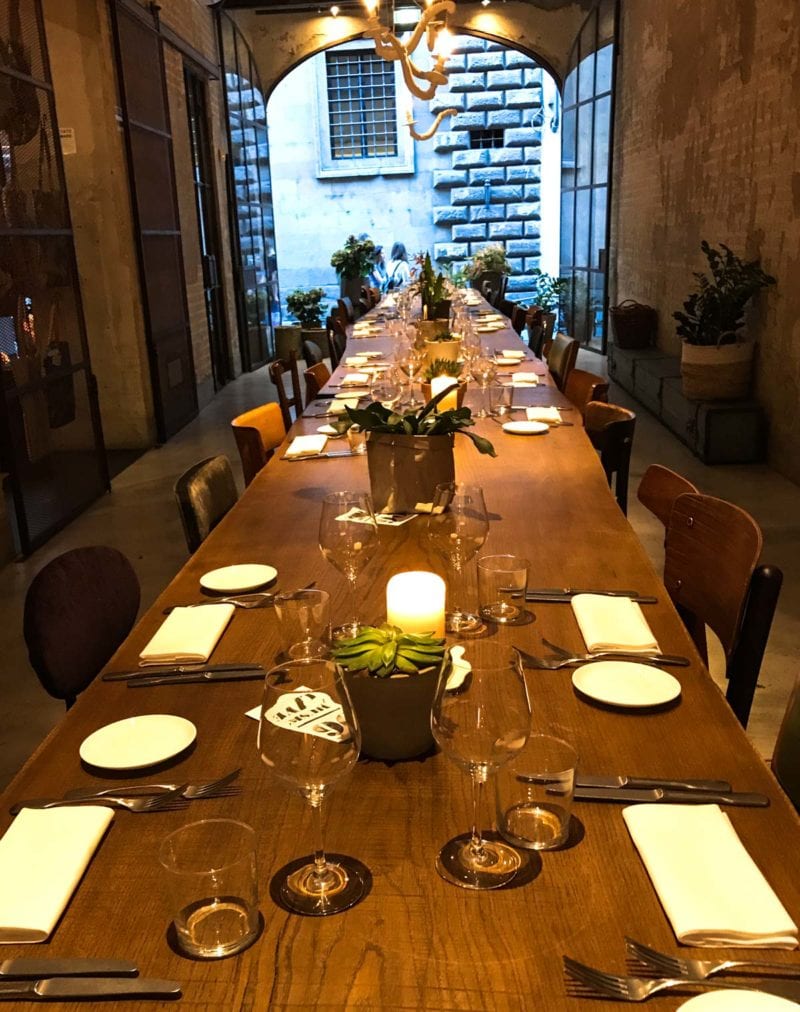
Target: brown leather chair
(534,326)
(276,373)
(205,493)
(316,377)
(712,574)
(257,433)
(337,340)
(312,353)
(561,358)
(518,317)
(492,286)
(78,610)
(582,387)
(659,488)
(346,310)
(611,428)
(786,756)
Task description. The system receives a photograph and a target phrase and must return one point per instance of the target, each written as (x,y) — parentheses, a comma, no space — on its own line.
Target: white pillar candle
(439,383)
(415,602)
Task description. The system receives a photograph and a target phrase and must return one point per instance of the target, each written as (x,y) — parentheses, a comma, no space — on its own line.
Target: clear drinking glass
(480,724)
(386,388)
(348,539)
(502,583)
(457,527)
(484,371)
(308,738)
(304,621)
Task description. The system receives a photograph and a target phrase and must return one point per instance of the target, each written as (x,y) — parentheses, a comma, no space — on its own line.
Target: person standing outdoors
(398,270)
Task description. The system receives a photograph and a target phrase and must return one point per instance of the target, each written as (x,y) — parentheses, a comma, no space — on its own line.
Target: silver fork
(167,801)
(189,792)
(587,981)
(698,969)
(254,599)
(554,663)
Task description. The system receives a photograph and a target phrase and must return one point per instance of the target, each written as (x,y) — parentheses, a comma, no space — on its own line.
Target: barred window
(362,110)
(486,138)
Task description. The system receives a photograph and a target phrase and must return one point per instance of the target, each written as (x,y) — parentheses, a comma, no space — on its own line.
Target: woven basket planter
(633,324)
(716,372)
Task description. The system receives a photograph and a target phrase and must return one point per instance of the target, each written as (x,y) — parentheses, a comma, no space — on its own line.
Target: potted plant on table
(716,360)
(352,263)
(443,367)
(410,454)
(391,677)
(435,306)
(306,307)
(443,344)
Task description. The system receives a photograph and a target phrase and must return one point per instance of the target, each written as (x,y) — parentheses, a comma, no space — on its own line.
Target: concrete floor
(140,518)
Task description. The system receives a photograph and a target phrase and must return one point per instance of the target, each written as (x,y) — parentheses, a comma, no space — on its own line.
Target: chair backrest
(534,325)
(561,358)
(506,307)
(611,428)
(205,493)
(712,574)
(346,310)
(78,610)
(582,387)
(316,377)
(312,353)
(518,316)
(276,372)
(257,434)
(659,488)
(786,757)
(491,286)
(337,339)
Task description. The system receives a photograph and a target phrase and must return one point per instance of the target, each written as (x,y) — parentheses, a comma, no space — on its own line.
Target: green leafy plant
(355,258)
(549,290)
(384,649)
(714,314)
(306,306)
(489,258)
(431,287)
(427,421)
(442,367)
(444,335)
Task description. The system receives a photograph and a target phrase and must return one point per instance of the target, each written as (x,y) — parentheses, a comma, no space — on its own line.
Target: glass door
(586,177)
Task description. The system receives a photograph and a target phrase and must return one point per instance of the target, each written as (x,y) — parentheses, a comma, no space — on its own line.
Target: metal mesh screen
(361,105)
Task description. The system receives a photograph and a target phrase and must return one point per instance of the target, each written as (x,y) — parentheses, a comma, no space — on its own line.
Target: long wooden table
(415,942)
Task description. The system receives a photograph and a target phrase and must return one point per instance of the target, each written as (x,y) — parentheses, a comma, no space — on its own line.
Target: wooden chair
(518,317)
(276,373)
(712,574)
(312,353)
(534,325)
(659,488)
(786,757)
(337,339)
(257,434)
(492,286)
(561,358)
(506,307)
(582,387)
(77,612)
(316,377)
(610,428)
(345,306)
(205,493)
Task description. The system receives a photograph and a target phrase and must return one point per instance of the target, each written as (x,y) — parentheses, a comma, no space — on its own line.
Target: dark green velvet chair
(205,493)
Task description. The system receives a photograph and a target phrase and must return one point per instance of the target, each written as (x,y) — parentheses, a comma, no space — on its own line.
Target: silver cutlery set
(653,971)
(44,979)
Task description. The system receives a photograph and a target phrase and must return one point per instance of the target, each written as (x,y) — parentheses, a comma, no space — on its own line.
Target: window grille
(361,105)
(486,138)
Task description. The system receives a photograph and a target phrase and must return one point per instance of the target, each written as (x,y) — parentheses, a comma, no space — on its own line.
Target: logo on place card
(309,712)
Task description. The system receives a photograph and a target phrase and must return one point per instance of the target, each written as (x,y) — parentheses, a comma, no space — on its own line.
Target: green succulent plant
(385,649)
(442,367)
(443,335)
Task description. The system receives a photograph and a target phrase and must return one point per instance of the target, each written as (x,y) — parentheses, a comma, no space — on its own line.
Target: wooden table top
(415,942)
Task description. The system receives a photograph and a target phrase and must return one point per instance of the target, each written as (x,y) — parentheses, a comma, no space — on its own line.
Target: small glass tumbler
(534,794)
(502,582)
(357,439)
(304,622)
(499,400)
(212,885)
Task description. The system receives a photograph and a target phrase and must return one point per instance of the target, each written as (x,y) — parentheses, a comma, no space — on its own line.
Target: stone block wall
(491,194)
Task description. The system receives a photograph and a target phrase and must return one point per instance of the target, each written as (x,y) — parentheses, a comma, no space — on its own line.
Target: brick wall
(707,147)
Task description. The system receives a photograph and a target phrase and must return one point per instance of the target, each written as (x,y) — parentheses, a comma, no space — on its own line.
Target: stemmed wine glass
(348,539)
(457,528)
(483,370)
(411,363)
(386,388)
(480,724)
(308,737)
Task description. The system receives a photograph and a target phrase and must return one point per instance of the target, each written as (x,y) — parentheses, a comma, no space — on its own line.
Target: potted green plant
(549,292)
(435,306)
(488,271)
(391,677)
(352,264)
(716,360)
(443,367)
(443,344)
(306,306)
(410,454)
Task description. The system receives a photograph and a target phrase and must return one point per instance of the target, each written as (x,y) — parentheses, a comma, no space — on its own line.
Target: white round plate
(136,742)
(506,360)
(626,683)
(349,394)
(489,328)
(328,430)
(526,428)
(738,1001)
(238,579)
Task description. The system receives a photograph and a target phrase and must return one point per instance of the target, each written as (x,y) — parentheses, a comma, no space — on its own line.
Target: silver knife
(329,453)
(190,677)
(572,591)
(88,987)
(542,597)
(658,794)
(36,969)
(180,669)
(585,780)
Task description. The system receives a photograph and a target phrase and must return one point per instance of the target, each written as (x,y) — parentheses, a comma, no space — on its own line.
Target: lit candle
(415,602)
(439,383)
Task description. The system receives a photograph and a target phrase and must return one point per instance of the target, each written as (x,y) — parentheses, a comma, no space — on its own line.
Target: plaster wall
(707,147)
(79,44)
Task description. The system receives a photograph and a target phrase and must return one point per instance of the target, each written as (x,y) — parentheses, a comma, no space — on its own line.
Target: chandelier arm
(434,127)
(408,76)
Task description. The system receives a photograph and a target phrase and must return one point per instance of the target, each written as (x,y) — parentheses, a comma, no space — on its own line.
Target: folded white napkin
(188,634)
(338,407)
(306,446)
(43,856)
(512,353)
(550,415)
(710,887)
(613,623)
(355,379)
(354,361)
(524,379)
